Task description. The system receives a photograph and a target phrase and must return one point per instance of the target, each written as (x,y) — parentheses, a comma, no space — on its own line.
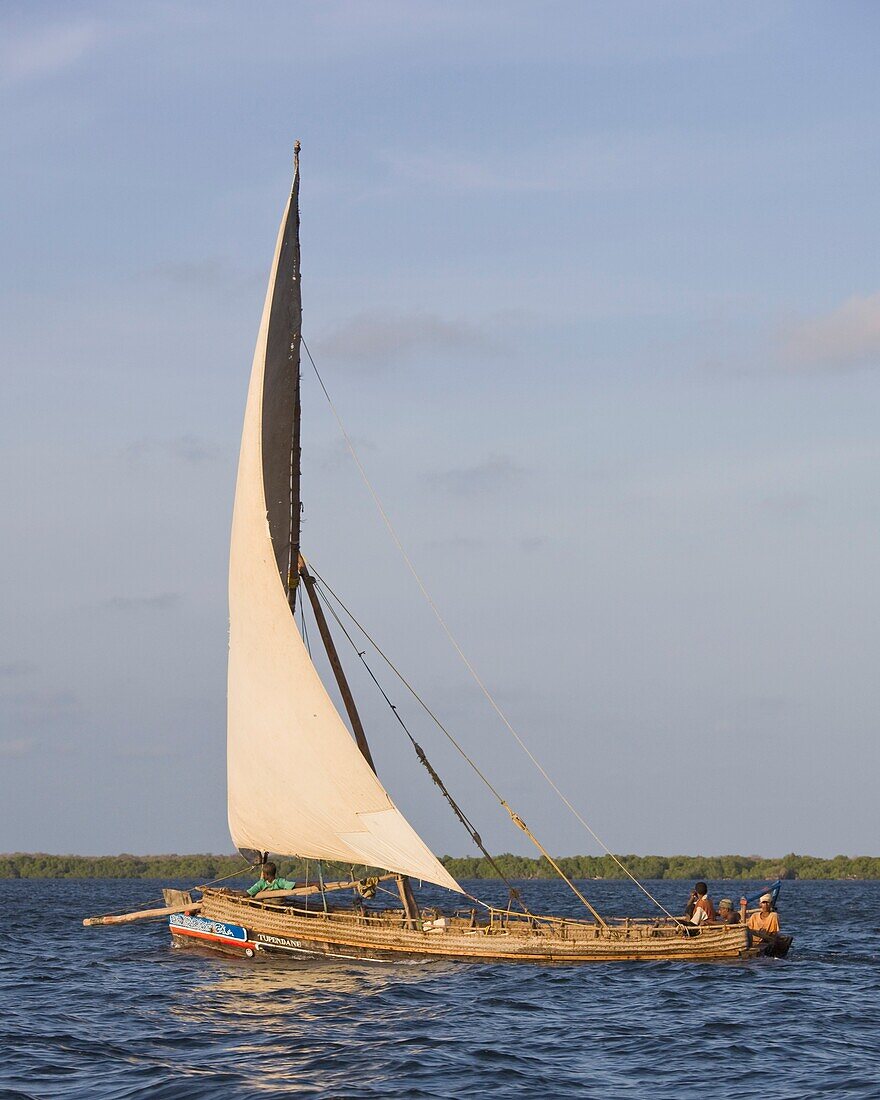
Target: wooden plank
(142,914)
(183,899)
(314,888)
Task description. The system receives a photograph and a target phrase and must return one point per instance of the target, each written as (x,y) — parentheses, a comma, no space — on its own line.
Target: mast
(296,566)
(293,361)
(280,398)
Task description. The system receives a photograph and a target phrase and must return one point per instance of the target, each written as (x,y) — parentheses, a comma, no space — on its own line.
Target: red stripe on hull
(207,936)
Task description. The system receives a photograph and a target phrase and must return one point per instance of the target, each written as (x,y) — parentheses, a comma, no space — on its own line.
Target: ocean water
(117,1013)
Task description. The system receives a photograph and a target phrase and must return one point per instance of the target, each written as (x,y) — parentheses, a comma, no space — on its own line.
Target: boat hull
(239,926)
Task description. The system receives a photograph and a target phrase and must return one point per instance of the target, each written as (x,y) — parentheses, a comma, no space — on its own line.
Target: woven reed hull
(280,931)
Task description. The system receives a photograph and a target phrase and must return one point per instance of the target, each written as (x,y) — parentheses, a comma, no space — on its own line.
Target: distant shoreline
(205,868)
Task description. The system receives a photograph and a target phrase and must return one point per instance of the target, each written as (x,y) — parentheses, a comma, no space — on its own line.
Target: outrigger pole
(410,907)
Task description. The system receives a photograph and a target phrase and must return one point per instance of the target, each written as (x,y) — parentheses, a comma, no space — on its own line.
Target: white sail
(297,782)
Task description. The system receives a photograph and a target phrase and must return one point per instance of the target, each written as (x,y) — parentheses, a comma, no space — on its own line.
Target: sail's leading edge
(297,782)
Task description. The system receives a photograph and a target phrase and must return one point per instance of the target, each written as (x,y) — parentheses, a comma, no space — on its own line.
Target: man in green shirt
(269,881)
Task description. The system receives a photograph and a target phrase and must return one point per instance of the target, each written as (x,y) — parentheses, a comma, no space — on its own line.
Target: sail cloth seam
(462,655)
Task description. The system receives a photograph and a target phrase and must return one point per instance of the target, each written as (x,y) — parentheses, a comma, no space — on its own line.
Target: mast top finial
(296,148)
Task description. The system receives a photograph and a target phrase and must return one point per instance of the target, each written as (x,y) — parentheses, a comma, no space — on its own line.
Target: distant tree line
(672,867)
(201,869)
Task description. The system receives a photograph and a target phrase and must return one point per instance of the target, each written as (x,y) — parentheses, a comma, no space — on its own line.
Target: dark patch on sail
(280,427)
(252,855)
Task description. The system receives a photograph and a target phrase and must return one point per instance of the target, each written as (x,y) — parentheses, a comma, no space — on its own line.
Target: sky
(595,289)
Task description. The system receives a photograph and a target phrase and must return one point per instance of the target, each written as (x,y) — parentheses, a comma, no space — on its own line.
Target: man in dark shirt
(700,909)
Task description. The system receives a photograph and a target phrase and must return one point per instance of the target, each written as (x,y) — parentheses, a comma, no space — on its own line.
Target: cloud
(17,746)
(616,161)
(381,339)
(41,707)
(210,271)
(447,173)
(40,51)
(13,669)
(455,542)
(766,704)
(789,503)
(606,162)
(162,601)
(145,751)
(45,699)
(498,472)
(209,274)
(336,455)
(188,449)
(847,338)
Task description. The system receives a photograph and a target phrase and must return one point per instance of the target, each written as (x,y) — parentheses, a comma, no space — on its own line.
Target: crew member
(269,881)
(726,913)
(764,921)
(700,908)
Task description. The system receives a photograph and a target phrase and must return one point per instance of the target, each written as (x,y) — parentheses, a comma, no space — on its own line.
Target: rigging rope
(305,629)
(451,637)
(149,901)
(323,584)
(420,753)
(224,878)
(426,763)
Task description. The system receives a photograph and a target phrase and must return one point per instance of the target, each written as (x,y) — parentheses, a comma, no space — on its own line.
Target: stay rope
(464,658)
(514,816)
(225,878)
(149,901)
(304,629)
(422,757)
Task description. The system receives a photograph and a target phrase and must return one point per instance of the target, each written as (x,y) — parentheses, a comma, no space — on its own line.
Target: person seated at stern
(700,909)
(269,881)
(765,922)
